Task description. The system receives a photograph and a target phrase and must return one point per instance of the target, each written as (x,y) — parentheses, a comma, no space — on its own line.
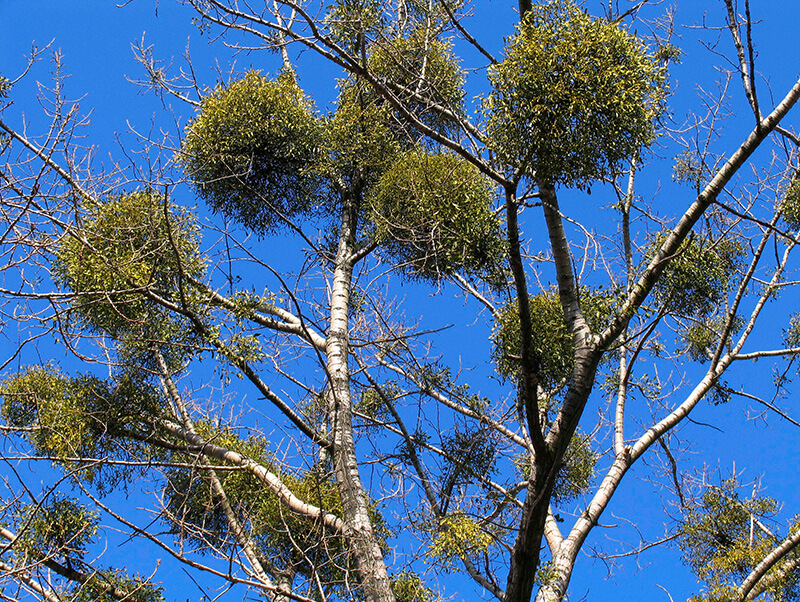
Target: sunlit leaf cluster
(361,146)
(574,477)
(725,535)
(790,206)
(288,541)
(702,335)
(372,404)
(257,152)
(60,528)
(352,22)
(421,71)
(78,417)
(97,588)
(131,245)
(791,335)
(699,276)
(574,97)
(433,216)
(690,169)
(252,150)
(458,536)
(552,342)
(409,587)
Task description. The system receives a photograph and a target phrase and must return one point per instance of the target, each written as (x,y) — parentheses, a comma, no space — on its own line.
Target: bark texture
(358,524)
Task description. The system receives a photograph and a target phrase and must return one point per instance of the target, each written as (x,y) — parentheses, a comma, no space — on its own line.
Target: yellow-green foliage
(552,342)
(421,71)
(252,151)
(129,244)
(703,335)
(458,536)
(360,143)
(722,545)
(353,22)
(697,278)
(279,534)
(96,588)
(790,206)
(574,97)
(689,169)
(371,402)
(409,587)
(576,471)
(547,573)
(701,338)
(791,335)
(58,528)
(720,593)
(433,217)
(76,417)
(472,453)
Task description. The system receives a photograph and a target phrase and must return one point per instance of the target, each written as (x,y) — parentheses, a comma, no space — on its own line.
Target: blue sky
(95,40)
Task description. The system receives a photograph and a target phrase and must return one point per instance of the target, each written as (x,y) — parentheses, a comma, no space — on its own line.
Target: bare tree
(362,428)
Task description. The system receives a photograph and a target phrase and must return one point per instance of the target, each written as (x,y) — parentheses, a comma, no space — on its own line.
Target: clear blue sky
(95,39)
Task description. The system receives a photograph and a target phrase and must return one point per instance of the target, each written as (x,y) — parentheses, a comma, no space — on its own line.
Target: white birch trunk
(364,544)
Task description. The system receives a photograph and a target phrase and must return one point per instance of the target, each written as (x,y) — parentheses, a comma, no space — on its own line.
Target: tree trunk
(360,534)
(525,556)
